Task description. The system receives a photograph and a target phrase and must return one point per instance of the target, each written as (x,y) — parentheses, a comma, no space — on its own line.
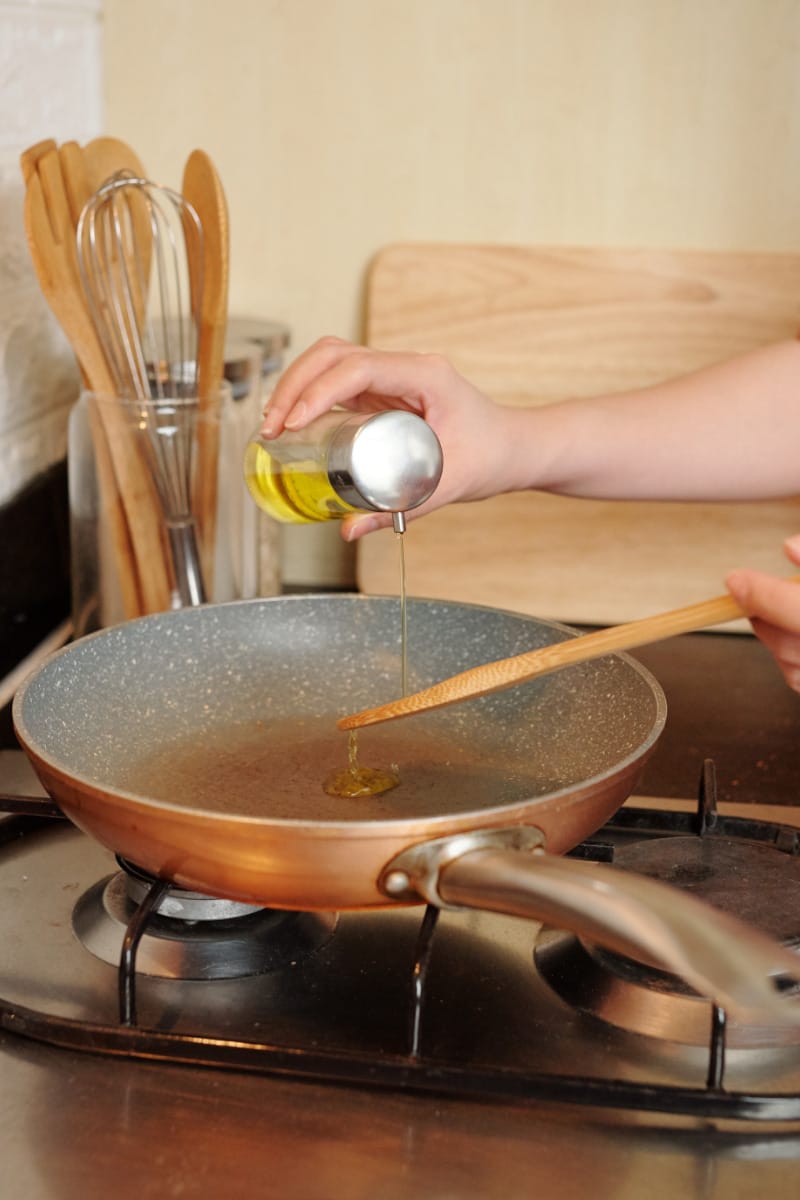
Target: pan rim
(365,826)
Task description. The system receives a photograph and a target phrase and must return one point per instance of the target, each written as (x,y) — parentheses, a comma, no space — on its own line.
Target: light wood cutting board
(531,325)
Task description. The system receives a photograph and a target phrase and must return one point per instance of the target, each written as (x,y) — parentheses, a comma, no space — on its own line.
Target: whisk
(140,252)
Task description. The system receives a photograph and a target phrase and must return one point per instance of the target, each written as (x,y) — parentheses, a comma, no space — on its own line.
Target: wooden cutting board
(531,325)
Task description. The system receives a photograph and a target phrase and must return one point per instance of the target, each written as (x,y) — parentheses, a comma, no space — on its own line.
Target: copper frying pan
(195,742)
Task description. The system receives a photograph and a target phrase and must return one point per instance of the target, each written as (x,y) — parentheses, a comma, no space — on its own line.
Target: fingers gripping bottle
(345,462)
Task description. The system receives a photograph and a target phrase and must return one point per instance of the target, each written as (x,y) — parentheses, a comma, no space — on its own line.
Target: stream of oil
(403,616)
(356,780)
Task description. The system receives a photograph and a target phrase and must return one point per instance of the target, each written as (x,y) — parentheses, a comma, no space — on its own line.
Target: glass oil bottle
(345,462)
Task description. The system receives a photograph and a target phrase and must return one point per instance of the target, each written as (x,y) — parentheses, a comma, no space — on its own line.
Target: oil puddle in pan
(277,770)
(357,780)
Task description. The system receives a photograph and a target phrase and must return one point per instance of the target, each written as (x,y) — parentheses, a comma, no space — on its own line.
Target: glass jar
(238,545)
(144,531)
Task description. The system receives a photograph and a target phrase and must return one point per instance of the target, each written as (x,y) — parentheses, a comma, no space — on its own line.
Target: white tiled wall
(50,86)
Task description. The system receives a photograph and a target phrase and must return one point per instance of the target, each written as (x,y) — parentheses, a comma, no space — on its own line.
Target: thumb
(356,526)
(766,598)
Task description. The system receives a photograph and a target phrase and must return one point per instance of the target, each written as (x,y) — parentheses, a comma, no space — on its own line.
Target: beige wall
(341,125)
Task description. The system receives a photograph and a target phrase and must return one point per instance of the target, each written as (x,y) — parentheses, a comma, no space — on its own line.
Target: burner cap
(180,904)
(213,943)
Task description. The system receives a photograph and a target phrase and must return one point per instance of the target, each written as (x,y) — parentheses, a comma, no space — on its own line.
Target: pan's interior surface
(232,708)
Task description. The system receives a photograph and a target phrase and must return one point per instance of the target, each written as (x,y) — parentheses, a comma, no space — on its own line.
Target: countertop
(727,701)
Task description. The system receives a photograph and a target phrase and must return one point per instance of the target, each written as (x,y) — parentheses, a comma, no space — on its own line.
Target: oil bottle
(345,462)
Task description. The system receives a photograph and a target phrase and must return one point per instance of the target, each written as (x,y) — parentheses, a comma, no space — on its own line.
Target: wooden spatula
(507,672)
(49,225)
(202,188)
(104,156)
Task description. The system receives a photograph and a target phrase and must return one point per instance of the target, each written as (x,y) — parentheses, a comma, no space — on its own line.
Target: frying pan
(195,743)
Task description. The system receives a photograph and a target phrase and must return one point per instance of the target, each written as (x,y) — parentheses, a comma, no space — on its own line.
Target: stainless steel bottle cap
(391,462)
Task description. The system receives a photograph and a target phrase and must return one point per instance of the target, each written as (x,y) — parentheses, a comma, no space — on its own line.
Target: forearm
(728,432)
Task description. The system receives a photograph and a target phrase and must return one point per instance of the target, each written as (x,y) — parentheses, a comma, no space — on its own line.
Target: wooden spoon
(202,188)
(507,672)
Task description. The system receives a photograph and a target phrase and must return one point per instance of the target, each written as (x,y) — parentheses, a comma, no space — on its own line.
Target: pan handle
(722,958)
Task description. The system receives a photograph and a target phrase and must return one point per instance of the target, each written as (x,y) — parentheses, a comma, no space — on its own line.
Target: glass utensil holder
(159,515)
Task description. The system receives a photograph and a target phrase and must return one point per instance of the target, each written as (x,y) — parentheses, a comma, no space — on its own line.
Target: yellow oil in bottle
(295,492)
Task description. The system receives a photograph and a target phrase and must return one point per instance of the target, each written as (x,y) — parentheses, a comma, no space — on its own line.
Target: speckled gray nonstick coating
(205,709)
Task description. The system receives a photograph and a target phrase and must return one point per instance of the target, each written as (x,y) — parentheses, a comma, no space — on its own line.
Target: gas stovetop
(118,996)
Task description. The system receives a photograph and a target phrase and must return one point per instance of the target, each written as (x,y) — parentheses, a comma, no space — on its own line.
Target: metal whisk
(140,252)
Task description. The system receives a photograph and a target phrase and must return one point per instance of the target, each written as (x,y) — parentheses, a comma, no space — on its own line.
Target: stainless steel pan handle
(725,960)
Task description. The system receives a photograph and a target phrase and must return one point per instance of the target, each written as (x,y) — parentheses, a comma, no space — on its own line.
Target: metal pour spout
(389,462)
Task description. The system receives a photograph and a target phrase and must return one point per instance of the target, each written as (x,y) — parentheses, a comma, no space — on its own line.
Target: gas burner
(180,904)
(191,935)
(758,883)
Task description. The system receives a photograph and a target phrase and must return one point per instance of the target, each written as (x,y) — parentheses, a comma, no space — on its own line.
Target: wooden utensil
(104,156)
(49,225)
(507,672)
(202,188)
(30,157)
(77,191)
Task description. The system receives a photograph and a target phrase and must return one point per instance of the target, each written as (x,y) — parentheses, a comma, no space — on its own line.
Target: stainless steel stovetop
(390,1054)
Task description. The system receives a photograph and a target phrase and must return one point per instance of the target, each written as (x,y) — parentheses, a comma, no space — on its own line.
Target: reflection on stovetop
(466,1003)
